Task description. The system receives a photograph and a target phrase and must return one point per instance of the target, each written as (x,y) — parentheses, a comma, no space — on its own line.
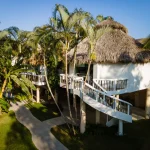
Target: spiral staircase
(100,96)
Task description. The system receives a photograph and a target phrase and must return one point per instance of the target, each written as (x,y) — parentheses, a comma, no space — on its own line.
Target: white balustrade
(98,91)
(36,79)
(111,84)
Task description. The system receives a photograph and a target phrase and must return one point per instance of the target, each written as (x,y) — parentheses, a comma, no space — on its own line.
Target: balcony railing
(36,79)
(97,93)
(112,84)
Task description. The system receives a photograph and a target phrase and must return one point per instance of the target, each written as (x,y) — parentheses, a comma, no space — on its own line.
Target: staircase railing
(97,86)
(105,99)
(98,93)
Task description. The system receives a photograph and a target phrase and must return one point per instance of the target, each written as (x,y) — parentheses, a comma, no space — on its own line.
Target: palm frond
(146,43)
(3,34)
(20,84)
(27,82)
(4,104)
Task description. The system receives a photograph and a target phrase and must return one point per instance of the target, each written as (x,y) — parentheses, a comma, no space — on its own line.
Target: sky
(26,14)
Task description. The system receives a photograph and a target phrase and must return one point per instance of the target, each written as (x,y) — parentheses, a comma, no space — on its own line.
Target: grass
(13,135)
(43,112)
(137,137)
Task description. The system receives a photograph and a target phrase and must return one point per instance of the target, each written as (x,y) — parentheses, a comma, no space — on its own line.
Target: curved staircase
(99,96)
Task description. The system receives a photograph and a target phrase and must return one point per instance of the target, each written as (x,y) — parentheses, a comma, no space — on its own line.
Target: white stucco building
(121,69)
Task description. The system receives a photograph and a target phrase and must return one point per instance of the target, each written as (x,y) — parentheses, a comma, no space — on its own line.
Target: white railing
(99,94)
(97,86)
(70,79)
(112,84)
(35,78)
(105,99)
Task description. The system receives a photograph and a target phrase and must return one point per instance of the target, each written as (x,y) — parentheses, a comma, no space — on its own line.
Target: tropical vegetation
(48,45)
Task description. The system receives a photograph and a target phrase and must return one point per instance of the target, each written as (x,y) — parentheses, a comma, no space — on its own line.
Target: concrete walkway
(42,138)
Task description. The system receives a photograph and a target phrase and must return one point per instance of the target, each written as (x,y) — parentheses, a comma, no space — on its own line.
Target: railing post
(72,84)
(97,96)
(114,104)
(128,111)
(115,85)
(104,99)
(39,78)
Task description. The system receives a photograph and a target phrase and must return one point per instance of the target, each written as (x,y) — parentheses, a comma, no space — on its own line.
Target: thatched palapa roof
(113,25)
(115,46)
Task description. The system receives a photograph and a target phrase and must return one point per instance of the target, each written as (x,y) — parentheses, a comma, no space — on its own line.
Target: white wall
(138,75)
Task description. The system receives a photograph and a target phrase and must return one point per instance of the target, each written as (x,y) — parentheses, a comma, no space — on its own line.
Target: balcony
(38,80)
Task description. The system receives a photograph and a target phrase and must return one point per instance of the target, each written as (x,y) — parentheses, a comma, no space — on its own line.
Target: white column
(97,117)
(147,106)
(83,116)
(120,128)
(38,94)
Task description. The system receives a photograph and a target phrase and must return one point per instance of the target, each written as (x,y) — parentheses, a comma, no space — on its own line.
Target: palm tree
(46,37)
(80,35)
(10,71)
(65,23)
(101,18)
(146,43)
(93,34)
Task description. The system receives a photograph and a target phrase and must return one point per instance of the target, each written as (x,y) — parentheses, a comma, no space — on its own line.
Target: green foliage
(14,50)
(146,43)
(43,112)
(4,104)
(93,56)
(27,82)
(21,96)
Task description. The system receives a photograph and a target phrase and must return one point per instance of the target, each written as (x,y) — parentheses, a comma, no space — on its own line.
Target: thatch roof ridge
(113,24)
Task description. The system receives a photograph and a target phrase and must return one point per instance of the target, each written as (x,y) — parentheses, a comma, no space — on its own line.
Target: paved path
(42,138)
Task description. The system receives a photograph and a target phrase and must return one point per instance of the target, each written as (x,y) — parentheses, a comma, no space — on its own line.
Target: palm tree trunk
(67,90)
(0,111)
(74,97)
(3,88)
(49,88)
(88,71)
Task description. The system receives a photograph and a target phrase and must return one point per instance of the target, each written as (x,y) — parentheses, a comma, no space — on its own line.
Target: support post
(38,94)
(97,117)
(117,102)
(147,106)
(120,128)
(83,116)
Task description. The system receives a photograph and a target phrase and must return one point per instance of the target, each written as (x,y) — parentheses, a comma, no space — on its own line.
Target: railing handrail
(113,79)
(33,74)
(103,92)
(112,84)
(99,85)
(107,94)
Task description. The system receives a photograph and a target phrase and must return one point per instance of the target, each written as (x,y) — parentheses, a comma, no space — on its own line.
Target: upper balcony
(111,86)
(98,98)
(38,80)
